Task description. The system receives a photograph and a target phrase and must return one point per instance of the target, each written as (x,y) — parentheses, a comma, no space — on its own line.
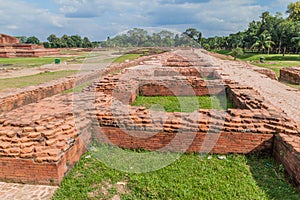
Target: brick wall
(180,87)
(47,139)
(223,143)
(290,75)
(287,152)
(49,173)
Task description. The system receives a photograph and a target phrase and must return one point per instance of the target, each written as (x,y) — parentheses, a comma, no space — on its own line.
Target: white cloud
(100,18)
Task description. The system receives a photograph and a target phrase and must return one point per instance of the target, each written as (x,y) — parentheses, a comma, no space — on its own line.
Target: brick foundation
(28,171)
(219,143)
(287,152)
(290,75)
(51,134)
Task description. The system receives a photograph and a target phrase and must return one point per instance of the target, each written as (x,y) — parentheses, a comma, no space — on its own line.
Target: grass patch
(127,57)
(252,56)
(75,58)
(189,177)
(184,103)
(78,88)
(274,62)
(27,62)
(36,79)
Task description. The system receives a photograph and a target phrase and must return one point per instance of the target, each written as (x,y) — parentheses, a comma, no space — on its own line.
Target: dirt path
(280,95)
(93,63)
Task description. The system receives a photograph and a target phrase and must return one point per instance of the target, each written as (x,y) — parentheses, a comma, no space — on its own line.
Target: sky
(98,19)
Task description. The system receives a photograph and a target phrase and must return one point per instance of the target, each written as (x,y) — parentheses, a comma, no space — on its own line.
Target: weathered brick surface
(32,94)
(6,39)
(287,151)
(290,75)
(10,47)
(44,142)
(42,138)
(254,118)
(269,73)
(51,135)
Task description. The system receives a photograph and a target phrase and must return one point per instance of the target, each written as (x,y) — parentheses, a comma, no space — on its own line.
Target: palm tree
(263,42)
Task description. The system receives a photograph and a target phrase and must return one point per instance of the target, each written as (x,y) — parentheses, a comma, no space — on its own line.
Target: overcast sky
(98,19)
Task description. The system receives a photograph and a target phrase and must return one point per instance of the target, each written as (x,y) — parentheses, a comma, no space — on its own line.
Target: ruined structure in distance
(11,47)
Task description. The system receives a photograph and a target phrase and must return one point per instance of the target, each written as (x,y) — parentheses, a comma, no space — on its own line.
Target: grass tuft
(184,103)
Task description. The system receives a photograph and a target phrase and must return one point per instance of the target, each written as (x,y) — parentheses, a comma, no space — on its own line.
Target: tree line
(73,41)
(138,37)
(272,34)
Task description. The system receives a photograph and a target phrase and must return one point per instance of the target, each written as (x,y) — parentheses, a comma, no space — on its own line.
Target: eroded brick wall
(45,142)
(290,75)
(287,152)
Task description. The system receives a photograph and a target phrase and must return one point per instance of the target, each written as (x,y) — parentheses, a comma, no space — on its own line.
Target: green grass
(183,103)
(20,82)
(127,57)
(74,58)
(189,177)
(27,62)
(275,62)
(77,88)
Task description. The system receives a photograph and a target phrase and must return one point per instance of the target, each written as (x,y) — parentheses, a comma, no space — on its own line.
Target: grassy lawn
(73,58)
(36,79)
(127,57)
(184,104)
(27,62)
(274,62)
(190,177)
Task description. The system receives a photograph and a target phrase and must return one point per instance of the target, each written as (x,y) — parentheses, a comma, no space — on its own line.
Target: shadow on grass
(270,177)
(283,58)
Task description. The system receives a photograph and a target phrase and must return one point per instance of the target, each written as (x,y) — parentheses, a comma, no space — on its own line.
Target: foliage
(272,34)
(294,11)
(69,41)
(237,52)
(190,177)
(33,40)
(263,42)
(22,39)
(274,62)
(183,103)
(141,38)
(27,62)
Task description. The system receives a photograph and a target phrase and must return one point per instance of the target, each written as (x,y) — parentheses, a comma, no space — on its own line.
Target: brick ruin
(51,134)
(11,47)
(290,75)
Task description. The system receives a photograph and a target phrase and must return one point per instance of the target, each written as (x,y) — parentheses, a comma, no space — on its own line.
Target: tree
(296,40)
(22,39)
(77,40)
(263,42)
(193,34)
(137,36)
(54,41)
(237,52)
(86,43)
(32,40)
(294,11)
(66,41)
